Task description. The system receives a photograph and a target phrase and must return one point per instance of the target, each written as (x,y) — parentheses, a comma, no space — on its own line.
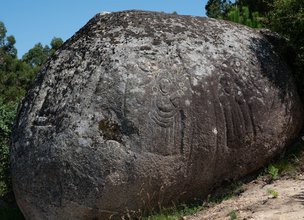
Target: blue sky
(33,21)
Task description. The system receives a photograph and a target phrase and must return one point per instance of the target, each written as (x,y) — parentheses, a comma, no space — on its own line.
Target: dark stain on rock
(113,131)
(110,130)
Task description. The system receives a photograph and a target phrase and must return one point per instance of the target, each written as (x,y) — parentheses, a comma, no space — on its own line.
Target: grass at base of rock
(233,215)
(174,213)
(290,162)
(177,212)
(273,193)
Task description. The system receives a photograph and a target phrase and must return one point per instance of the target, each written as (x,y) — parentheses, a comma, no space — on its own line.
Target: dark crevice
(252,121)
(182,130)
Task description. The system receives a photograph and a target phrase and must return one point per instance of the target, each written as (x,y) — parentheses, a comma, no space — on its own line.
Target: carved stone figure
(142,109)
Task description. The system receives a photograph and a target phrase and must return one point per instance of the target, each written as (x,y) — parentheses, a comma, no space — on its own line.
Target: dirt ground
(258,203)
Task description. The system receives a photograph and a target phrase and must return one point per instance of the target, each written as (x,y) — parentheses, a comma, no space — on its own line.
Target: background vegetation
(16,75)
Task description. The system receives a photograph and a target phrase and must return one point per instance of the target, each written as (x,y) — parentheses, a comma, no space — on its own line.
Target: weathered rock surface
(142,109)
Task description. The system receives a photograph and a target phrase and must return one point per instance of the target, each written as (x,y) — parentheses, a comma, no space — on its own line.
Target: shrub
(273,172)
(273,193)
(7,116)
(233,215)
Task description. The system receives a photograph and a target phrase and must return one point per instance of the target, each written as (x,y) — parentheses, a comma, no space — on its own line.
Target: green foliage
(284,166)
(287,18)
(232,215)
(238,12)
(39,53)
(15,75)
(289,164)
(273,193)
(261,6)
(273,172)
(7,43)
(7,116)
(176,212)
(217,8)
(56,43)
(2,34)
(162,217)
(10,92)
(244,17)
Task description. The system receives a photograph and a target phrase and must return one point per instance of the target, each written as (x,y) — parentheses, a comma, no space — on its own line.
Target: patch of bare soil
(281,200)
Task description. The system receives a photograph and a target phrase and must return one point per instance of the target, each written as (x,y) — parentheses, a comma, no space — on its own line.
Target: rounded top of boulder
(162,27)
(147,31)
(159,22)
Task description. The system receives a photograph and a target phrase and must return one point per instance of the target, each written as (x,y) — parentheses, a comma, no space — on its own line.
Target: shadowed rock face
(141,109)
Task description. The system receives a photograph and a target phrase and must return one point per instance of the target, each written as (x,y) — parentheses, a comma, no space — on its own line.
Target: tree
(9,48)
(260,6)
(12,71)
(7,116)
(242,16)
(217,8)
(2,34)
(7,43)
(286,17)
(239,12)
(39,53)
(56,44)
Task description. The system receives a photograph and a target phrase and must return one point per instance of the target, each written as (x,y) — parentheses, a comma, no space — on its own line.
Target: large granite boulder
(141,109)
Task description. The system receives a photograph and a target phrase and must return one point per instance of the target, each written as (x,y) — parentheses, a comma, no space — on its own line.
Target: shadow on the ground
(300,197)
